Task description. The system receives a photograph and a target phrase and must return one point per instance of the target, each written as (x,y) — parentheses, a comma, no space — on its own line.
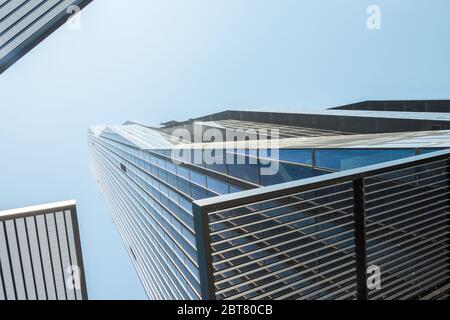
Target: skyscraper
(40,254)
(25,23)
(294,206)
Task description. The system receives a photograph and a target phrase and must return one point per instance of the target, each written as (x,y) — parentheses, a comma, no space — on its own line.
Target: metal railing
(320,238)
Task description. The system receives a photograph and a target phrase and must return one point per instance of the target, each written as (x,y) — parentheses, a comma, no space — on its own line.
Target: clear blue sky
(158,60)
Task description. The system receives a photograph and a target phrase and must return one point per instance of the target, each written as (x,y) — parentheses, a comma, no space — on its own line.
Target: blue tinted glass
(245,172)
(303,156)
(235,189)
(184,186)
(221,168)
(186,204)
(321,172)
(161,163)
(217,186)
(198,192)
(244,168)
(217,161)
(171,167)
(162,174)
(429,150)
(345,159)
(183,172)
(285,173)
(198,178)
(172,179)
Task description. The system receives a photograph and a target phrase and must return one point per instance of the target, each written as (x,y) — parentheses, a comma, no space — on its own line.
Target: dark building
(400,105)
(352,190)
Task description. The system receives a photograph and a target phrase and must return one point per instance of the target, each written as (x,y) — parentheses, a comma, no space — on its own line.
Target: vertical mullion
(202,232)
(79,255)
(359,206)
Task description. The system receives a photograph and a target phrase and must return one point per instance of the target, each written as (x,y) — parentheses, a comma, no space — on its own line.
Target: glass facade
(151,193)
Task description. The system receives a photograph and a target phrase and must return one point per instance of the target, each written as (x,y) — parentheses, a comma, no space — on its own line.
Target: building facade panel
(39,258)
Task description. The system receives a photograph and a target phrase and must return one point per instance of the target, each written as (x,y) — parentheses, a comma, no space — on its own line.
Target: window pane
(287,172)
(345,159)
(217,186)
(299,156)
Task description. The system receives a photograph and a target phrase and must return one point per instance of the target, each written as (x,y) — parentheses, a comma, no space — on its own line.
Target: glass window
(303,156)
(198,192)
(429,150)
(183,172)
(172,179)
(218,159)
(221,168)
(186,204)
(217,186)
(162,174)
(161,163)
(171,167)
(345,159)
(184,186)
(285,173)
(198,178)
(234,189)
(247,172)
(319,172)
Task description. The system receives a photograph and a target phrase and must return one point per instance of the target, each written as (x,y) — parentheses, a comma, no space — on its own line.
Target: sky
(153,61)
